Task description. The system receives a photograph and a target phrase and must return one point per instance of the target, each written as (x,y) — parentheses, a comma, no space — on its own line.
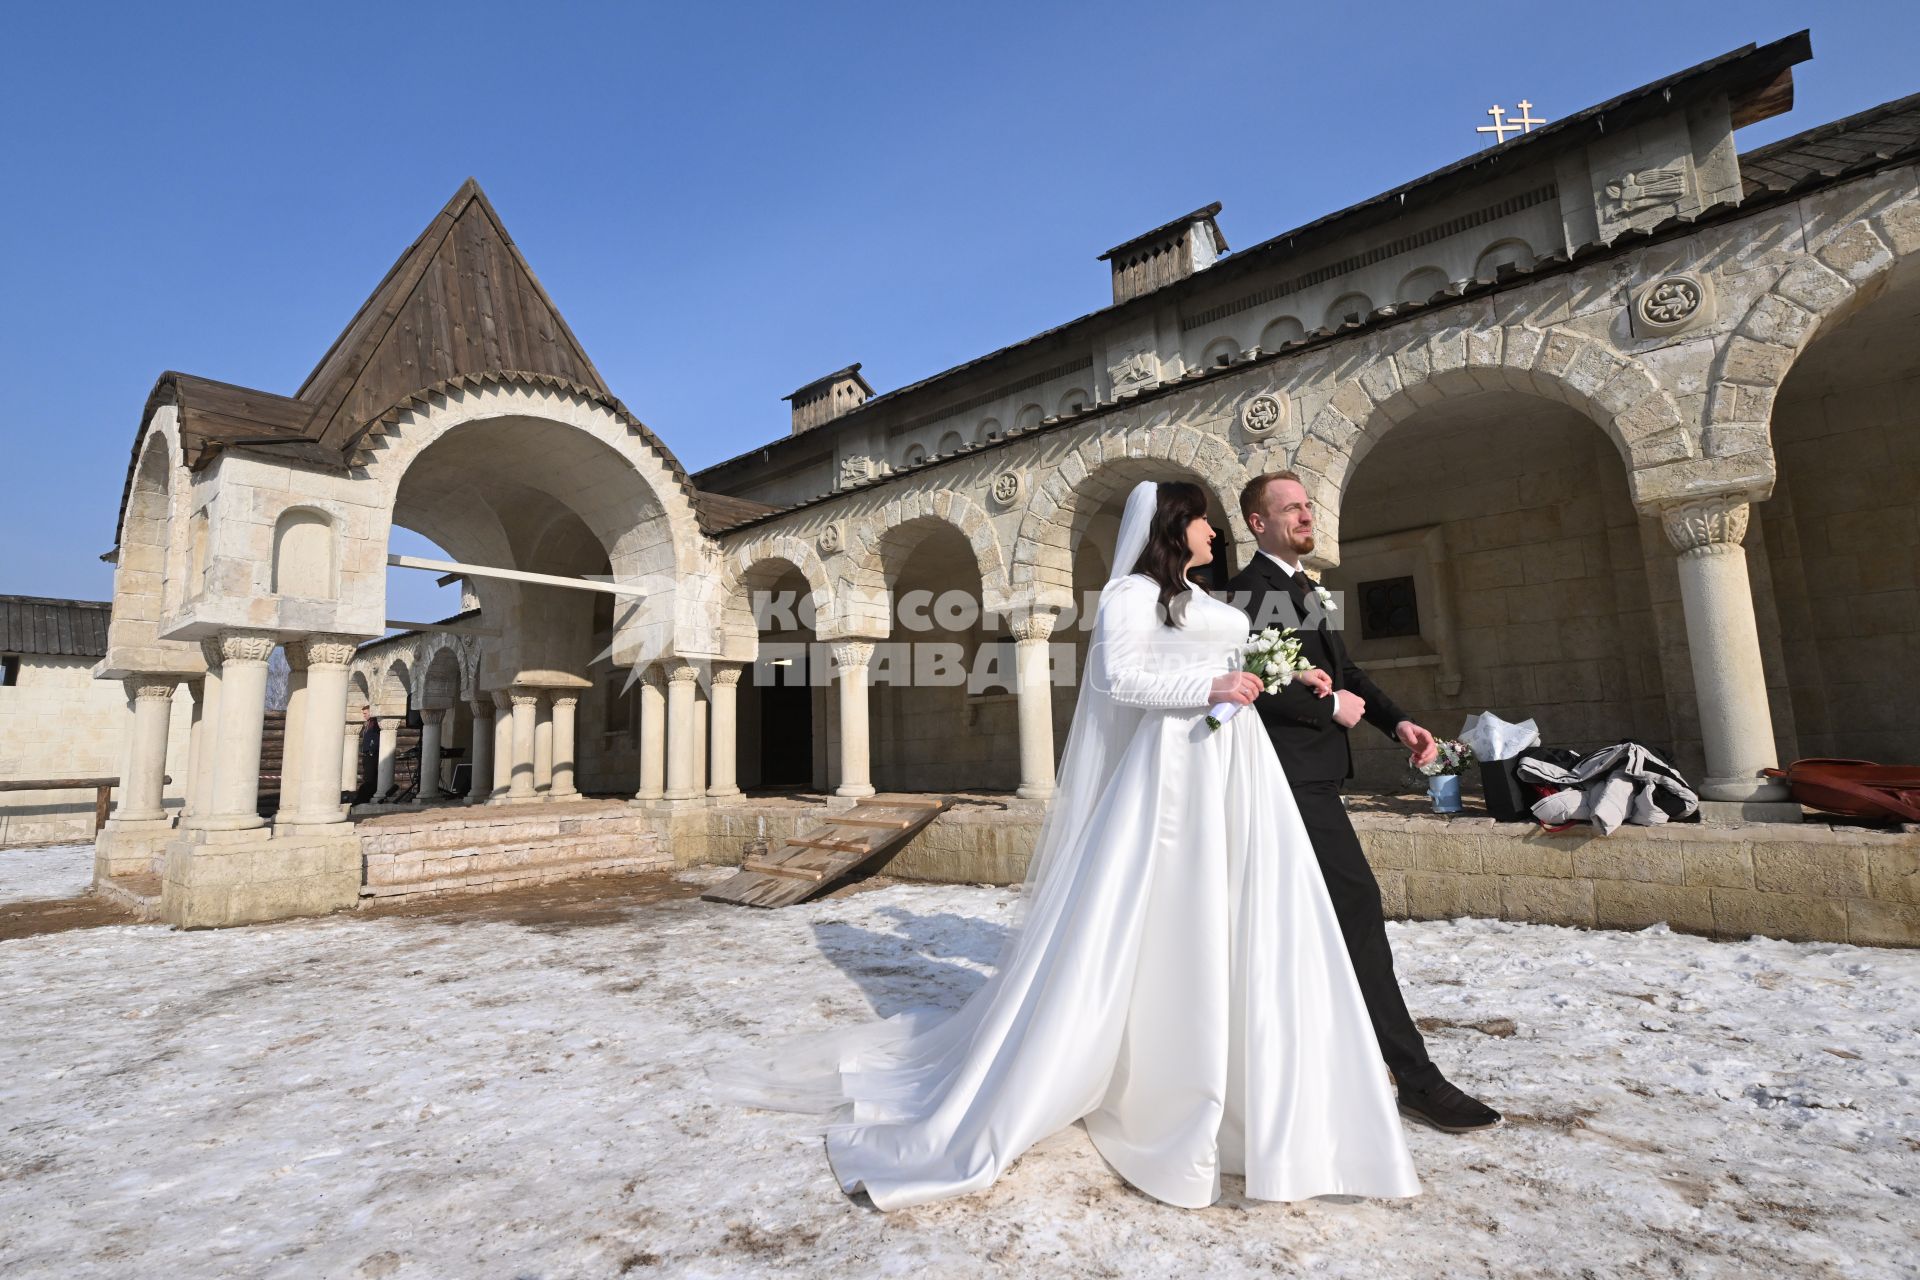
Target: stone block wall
(58,721)
(486,849)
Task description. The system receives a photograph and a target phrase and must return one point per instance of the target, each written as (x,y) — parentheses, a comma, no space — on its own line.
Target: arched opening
(950,443)
(1219,353)
(540,496)
(943,707)
(1420,285)
(1514,253)
(1280,332)
(1077,400)
(1028,418)
(1349,308)
(782,715)
(303,555)
(1841,536)
(1491,560)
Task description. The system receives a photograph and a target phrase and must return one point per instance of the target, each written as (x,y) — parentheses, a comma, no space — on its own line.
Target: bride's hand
(1237,687)
(1317,680)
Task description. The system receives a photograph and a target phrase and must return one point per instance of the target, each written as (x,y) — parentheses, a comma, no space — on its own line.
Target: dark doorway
(786,720)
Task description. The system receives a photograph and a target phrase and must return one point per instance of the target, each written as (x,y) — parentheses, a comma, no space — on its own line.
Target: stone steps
(139,894)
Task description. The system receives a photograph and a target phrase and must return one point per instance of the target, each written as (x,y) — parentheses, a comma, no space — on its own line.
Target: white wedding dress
(1178,981)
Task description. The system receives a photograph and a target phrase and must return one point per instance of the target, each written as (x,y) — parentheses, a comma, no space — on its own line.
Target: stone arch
(1348,308)
(359,695)
(1616,392)
(1420,284)
(1510,252)
(145,582)
(1219,353)
(1028,418)
(1851,266)
(440,672)
(1090,473)
(1280,331)
(759,563)
(392,695)
(883,539)
(950,443)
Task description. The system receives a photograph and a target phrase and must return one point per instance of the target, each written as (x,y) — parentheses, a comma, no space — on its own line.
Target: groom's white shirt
(1295,570)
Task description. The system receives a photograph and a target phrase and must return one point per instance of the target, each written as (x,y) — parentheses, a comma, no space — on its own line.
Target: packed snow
(45,871)
(467,1093)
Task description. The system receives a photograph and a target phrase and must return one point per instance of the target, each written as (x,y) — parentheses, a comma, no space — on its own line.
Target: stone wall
(58,721)
(487,849)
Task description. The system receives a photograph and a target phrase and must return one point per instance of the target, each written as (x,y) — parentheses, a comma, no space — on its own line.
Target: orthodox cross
(1501,126)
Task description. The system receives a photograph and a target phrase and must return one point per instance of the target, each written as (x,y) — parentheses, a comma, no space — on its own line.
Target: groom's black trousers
(1356,901)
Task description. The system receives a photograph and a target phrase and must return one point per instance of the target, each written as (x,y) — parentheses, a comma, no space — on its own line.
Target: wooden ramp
(833,849)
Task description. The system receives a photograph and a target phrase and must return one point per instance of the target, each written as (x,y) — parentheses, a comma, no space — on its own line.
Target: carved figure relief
(1646,188)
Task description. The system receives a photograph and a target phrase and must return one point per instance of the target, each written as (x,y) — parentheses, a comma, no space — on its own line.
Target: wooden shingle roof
(53,628)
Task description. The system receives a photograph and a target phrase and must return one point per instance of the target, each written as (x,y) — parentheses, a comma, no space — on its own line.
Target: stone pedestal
(850,658)
(217,878)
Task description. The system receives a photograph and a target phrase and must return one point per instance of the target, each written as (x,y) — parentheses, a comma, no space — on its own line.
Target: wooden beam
(758,867)
(511,575)
(457,628)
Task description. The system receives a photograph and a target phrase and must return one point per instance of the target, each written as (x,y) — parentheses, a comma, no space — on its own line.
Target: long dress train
(1178,982)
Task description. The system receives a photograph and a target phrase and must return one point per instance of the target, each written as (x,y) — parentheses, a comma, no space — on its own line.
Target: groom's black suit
(1313,750)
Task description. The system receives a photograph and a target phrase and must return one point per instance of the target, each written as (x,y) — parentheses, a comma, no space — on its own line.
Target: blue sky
(724,201)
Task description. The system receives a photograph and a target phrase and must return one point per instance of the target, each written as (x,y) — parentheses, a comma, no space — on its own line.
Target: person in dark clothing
(1309,734)
(369,759)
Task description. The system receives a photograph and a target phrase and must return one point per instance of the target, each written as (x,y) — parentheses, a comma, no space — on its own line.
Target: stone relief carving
(1646,188)
(1135,369)
(1007,487)
(1264,414)
(829,540)
(1671,304)
(859,468)
(1706,526)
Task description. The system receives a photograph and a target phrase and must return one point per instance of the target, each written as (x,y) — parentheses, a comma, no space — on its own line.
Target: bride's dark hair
(1178,503)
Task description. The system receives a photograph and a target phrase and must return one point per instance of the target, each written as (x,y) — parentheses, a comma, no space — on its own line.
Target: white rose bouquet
(1274,656)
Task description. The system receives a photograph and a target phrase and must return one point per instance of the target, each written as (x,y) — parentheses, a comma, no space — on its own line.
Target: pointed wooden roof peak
(460,300)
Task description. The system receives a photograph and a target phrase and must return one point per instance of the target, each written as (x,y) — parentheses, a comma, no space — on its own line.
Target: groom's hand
(1418,742)
(1351,707)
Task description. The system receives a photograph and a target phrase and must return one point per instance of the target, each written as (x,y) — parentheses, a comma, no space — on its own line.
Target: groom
(1309,735)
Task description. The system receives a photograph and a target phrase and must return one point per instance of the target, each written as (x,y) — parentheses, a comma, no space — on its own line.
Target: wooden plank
(102,805)
(843,846)
(776,869)
(898,824)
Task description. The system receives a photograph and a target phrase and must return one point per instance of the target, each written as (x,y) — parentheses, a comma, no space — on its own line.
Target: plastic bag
(1494,739)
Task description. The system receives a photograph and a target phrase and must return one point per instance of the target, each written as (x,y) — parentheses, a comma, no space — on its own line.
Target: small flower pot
(1445,790)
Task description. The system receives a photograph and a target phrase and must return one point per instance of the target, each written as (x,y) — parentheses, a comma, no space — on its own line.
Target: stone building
(1608,425)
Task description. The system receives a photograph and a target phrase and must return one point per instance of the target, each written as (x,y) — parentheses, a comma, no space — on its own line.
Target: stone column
(200,785)
(482,780)
(1032,634)
(196,735)
(323,727)
(543,744)
(142,791)
(564,706)
(432,722)
(502,780)
(290,734)
(724,705)
(702,713)
(1729,679)
(850,659)
(680,680)
(653,734)
(350,750)
(526,709)
(389,747)
(235,794)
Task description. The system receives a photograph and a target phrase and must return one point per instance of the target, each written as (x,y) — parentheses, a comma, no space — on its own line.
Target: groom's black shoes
(1447,1108)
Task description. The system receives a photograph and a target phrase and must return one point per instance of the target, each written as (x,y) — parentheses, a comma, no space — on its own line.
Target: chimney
(1166,254)
(824,399)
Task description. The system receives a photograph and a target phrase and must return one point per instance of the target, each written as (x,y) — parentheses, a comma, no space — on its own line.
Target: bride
(1178,982)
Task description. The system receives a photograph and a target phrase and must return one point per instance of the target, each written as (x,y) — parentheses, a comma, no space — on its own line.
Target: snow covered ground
(45,871)
(452,1096)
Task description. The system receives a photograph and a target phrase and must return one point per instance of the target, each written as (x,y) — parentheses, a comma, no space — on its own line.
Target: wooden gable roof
(461,300)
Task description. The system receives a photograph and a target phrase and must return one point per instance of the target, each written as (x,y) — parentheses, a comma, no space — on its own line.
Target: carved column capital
(726,673)
(246,646)
(567,700)
(524,697)
(1036,624)
(502,700)
(210,650)
(323,650)
(482,708)
(1706,526)
(141,688)
(681,672)
(852,654)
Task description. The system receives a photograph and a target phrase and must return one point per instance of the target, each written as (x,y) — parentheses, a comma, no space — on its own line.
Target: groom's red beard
(1302,543)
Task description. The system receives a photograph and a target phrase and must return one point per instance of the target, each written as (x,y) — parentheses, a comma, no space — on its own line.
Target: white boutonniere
(1325,597)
